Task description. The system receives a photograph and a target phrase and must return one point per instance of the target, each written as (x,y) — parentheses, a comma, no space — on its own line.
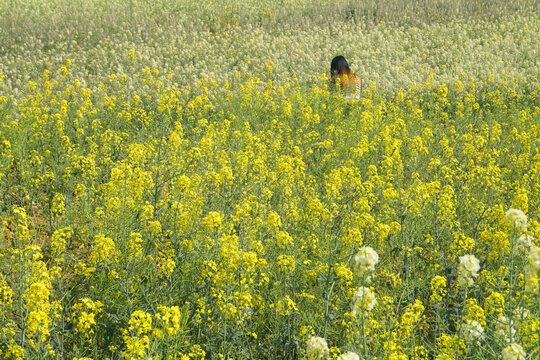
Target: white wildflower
(363,300)
(521,314)
(366,259)
(467,269)
(534,257)
(524,242)
(317,348)
(349,356)
(513,352)
(472,330)
(517,218)
(505,330)
(531,278)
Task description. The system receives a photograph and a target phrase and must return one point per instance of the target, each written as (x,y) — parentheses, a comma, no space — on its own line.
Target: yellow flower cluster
(163,201)
(438,289)
(136,336)
(84,315)
(170,317)
(37,295)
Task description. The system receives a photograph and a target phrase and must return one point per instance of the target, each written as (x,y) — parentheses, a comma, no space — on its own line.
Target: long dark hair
(339,66)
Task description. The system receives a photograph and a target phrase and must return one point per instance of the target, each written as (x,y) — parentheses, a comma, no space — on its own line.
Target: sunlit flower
(438,289)
(363,300)
(170,318)
(525,241)
(517,218)
(472,330)
(534,257)
(349,356)
(317,348)
(366,259)
(513,352)
(468,270)
(505,330)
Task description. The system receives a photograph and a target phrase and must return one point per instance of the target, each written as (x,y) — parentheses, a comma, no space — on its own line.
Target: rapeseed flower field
(179,181)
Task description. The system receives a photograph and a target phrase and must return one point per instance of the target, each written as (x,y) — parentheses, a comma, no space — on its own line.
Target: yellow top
(350,84)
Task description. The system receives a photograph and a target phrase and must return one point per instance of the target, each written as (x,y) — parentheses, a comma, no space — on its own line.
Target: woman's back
(344,79)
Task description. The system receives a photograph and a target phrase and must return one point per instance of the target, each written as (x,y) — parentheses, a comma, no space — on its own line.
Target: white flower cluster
(524,242)
(513,352)
(472,330)
(390,66)
(534,257)
(531,269)
(366,259)
(363,300)
(317,348)
(467,270)
(505,330)
(521,314)
(349,356)
(517,218)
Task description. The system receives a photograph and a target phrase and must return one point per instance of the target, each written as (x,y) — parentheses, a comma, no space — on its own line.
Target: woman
(344,79)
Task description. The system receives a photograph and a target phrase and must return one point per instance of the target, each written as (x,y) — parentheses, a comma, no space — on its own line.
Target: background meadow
(178,181)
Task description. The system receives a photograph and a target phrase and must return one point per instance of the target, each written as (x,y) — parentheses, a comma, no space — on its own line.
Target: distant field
(178,181)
